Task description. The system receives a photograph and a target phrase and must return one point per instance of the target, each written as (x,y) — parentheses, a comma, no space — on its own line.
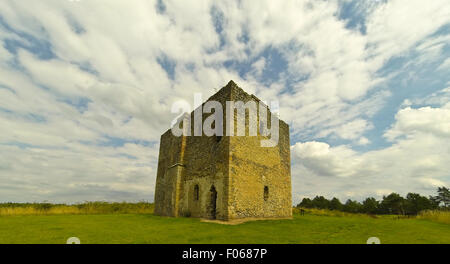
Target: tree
(416,203)
(434,202)
(370,206)
(393,204)
(443,196)
(320,202)
(352,206)
(335,204)
(305,203)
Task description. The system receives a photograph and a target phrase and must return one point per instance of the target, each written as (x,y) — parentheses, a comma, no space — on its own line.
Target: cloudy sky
(86,88)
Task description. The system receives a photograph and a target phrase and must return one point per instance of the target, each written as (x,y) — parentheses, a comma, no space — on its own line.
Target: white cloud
(410,121)
(352,130)
(418,160)
(342,63)
(106,82)
(396,26)
(258,66)
(319,157)
(445,65)
(78,172)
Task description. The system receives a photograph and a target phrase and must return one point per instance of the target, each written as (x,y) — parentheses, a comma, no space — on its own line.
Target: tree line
(390,204)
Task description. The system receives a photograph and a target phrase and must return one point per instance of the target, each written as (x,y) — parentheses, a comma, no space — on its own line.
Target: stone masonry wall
(248,180)
(254,168)
(206,160)
(170,169)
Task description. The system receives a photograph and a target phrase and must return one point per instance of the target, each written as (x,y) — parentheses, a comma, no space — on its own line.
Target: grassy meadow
(135,223)
(11,209)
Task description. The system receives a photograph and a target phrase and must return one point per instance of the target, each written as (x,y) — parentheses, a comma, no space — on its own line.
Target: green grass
(147,228)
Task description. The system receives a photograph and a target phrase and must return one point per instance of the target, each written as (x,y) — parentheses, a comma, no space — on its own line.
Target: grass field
(147,228)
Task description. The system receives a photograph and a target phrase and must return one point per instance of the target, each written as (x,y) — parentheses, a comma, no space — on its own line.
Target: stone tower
(224,177)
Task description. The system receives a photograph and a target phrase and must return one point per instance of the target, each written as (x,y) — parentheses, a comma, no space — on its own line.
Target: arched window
(196,192)
(266,193)
(262,130)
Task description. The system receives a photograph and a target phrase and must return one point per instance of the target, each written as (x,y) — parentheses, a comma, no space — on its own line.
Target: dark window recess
(266,193)
(196,192)
(218,138)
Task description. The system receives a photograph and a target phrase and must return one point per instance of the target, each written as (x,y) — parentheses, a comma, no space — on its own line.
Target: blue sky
(86,89)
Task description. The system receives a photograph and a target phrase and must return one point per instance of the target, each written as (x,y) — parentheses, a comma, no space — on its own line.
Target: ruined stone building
(224,177)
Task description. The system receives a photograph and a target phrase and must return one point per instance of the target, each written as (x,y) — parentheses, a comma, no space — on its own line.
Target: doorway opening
(213,203)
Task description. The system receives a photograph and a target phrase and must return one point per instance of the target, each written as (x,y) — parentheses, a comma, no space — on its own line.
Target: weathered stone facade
(228,177)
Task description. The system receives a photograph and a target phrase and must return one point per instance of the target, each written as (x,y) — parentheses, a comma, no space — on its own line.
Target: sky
(86,89)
